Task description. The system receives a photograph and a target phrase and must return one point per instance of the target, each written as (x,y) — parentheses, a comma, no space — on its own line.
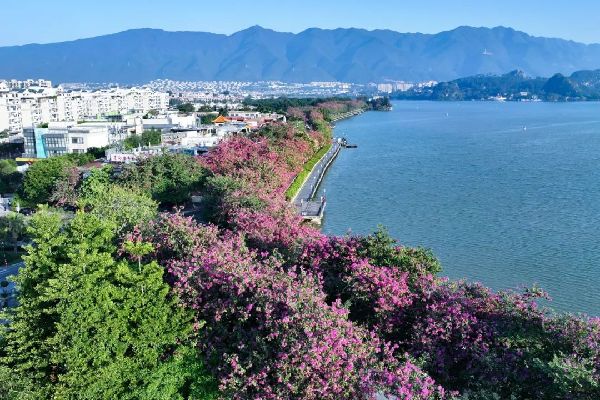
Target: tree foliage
(92,325)
(186,108)
(150,137)
(125,208)
(12,229)
(42,176)
(10,178)
(168,178)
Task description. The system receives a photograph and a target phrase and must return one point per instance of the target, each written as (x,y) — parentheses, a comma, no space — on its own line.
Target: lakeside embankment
(347,115)
(304,187)
(310,209)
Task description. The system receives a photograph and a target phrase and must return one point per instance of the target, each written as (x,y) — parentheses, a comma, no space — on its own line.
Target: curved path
(303,201)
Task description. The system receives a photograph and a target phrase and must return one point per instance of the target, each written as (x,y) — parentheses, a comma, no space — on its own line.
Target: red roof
(220,120)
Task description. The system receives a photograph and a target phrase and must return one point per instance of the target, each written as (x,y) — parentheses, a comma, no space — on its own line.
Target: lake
(507,194)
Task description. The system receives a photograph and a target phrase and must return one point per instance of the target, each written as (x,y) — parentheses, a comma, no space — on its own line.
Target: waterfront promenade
(348,114)
(309,208)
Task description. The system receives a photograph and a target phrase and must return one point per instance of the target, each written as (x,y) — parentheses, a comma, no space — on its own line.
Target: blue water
(497,203)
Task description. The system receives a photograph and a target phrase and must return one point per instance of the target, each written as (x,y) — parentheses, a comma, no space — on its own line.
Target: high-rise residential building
(30,106)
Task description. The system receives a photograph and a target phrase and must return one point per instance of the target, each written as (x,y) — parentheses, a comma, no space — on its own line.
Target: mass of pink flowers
(285,312)
(264,169)
(270,328)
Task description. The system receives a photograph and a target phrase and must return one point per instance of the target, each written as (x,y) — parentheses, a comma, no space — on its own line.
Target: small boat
(351,146)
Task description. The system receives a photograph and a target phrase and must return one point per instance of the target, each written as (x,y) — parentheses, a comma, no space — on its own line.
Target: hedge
(303,175)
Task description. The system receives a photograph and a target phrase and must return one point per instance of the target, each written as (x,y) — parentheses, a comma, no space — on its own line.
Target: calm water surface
(507,194)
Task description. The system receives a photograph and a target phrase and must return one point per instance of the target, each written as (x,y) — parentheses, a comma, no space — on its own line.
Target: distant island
(513,86)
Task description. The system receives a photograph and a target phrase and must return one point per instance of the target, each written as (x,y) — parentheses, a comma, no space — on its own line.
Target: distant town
(67,118)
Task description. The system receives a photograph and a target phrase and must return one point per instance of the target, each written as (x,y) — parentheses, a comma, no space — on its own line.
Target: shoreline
(347,115)
(310,210)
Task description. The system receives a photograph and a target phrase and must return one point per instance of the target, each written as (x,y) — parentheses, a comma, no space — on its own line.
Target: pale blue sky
(44,21)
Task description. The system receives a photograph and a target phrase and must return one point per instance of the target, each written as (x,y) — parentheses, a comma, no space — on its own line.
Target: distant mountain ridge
(256,53)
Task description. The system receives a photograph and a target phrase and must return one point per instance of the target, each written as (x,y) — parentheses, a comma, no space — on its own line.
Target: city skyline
(46,20)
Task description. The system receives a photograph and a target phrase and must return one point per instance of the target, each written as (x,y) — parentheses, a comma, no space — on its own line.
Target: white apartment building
(31,106)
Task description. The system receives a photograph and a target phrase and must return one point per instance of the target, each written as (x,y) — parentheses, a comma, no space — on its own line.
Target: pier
(349,114)
(309,208)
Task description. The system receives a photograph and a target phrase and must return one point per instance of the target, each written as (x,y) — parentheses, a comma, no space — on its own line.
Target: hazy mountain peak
(258,53)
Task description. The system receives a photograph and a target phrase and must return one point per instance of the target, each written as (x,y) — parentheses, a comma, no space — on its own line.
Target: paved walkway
(304,199)
(5,272)
(12,269)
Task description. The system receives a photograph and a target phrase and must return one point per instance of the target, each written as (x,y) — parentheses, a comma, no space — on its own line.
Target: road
(12,269)
(311,184)
(9,291)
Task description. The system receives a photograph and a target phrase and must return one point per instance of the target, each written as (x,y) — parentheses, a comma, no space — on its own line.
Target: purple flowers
(288,313)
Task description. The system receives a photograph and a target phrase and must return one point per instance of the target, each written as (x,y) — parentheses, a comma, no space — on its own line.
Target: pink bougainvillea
(270,329)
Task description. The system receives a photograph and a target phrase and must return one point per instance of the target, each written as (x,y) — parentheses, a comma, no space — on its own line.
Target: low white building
(69,137)
(205,136)
(133,155)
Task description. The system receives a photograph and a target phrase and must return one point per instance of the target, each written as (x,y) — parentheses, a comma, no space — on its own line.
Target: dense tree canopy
(42,176)
(10,178)
(168,178)
(150,137)
(93,325)
(186,108)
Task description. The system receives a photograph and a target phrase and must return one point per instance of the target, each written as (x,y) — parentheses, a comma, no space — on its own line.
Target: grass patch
(308,166)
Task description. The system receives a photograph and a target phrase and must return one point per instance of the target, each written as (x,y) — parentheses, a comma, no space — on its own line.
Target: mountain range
(256,53)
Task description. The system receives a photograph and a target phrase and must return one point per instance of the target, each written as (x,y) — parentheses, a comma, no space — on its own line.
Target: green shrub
(301,177)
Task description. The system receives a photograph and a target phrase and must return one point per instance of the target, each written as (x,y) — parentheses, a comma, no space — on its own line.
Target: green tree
(90,325)
(12,229)
(150,137)
(41,177)
(32,322)
(383,250)
(124,207)
(207,119)
(96,181)
(97,152)
(186,108)
(10,178)
(168,178)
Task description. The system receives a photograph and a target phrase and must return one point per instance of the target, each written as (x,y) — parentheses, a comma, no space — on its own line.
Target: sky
(46,21)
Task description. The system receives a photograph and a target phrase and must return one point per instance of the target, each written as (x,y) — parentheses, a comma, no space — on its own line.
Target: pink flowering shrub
(468,338)
(296,113)
(257,173)
(269,332)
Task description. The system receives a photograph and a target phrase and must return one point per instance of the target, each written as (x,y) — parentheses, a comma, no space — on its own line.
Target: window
(77,140)
(54,142)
